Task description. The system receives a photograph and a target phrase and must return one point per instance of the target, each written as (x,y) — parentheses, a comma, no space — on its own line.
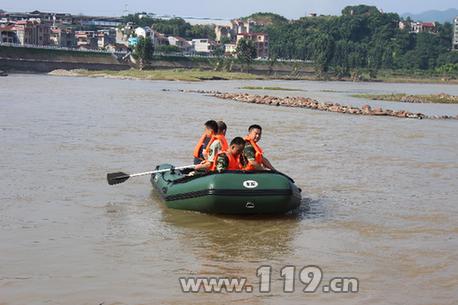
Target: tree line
(362,37)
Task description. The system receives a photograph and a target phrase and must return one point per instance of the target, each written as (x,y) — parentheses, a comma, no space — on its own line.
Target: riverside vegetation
(408,98)
(363,43)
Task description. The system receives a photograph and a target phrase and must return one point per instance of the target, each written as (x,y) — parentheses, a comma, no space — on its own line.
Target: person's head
(221,128)
(237,145)
(254,132)
(211,128)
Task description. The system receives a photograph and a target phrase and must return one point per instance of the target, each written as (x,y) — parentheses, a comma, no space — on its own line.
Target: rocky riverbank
(304,102)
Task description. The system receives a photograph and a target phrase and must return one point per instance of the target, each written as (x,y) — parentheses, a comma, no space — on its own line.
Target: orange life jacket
(257,156)
(221,138)
(234,163)
(198,148)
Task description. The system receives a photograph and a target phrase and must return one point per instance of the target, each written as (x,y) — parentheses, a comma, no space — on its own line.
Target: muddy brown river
(380,195)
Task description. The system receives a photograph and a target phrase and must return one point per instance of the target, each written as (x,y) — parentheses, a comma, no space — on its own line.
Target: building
(87,40)
(145,32)
(239,26)
(132,42)
(106,37)
(12,17)
(123,34)
(402,25)
(422,27)
(62,19)
(8,34)
(117,47)
(222,31)
(206,46)
(455,35)
(160,39)
(230,48)
(180,43)
(61,37)
(261,42)
(55,19)
(33,32)
(99,22)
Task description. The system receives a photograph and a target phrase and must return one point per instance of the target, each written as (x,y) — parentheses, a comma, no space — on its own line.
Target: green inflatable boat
(230,192)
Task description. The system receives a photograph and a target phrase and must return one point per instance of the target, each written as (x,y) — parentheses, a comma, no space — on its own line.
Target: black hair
(212,125)
(238,141)
(254,126)
(221,126)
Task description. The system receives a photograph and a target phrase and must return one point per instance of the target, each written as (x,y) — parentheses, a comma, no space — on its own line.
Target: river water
(380,195)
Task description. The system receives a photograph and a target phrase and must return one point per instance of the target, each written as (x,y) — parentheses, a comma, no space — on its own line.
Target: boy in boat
(229,159)
(211,128)
(216,144)
(253,157)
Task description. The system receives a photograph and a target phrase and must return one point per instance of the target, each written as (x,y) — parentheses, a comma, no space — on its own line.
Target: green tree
(202,31)
(219,51)
(323,50)
(245,51)
(144,51)
(225,40)
(360,10)
(167,49)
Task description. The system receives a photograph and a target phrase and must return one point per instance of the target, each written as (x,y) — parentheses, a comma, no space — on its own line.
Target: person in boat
(216,144)
(229,159)
(211,128)
(253,156)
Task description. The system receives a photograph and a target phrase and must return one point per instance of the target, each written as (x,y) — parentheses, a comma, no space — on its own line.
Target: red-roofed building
(420,27)
(8,34)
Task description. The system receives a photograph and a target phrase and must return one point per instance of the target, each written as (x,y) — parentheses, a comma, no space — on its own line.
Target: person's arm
(256,165)
(222,163)
(267,164)
(250,155)
(215,148)
(204,165)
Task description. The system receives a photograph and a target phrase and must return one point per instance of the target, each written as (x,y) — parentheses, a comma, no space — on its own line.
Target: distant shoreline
(409,98)
(181,74)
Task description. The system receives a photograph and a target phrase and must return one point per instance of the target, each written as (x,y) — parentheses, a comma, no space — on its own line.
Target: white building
(180,43)
(203,45)
(144,32)
(455,36)
(230,48)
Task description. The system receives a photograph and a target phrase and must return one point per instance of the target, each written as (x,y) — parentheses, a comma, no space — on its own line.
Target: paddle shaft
(160,171)
(120,177)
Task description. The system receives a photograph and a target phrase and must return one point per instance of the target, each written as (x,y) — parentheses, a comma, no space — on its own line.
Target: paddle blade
(116,178)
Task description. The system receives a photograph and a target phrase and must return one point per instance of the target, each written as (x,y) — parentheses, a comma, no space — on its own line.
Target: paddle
(120,177)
